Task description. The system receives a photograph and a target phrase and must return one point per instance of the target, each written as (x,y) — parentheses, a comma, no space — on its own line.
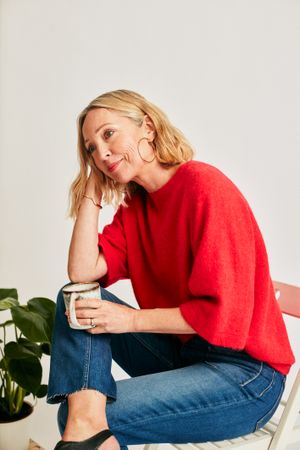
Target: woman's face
(112,142)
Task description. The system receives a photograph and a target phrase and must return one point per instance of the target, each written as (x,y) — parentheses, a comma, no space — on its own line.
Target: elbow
(78,276)
(86,274)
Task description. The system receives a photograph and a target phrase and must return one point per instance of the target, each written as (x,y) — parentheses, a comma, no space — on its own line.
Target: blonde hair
(170,145)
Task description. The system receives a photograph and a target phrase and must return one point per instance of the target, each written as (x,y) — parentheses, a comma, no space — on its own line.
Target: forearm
(84,251)
(161,320)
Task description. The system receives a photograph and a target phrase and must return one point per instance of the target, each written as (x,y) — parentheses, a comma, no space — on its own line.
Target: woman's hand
(91,186)
(108,317)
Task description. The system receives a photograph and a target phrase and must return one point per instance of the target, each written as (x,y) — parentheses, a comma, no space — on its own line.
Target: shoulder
(202,172)
(215,200)
(205,180)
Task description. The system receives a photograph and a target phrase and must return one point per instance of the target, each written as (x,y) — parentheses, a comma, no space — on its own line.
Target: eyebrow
(98,129)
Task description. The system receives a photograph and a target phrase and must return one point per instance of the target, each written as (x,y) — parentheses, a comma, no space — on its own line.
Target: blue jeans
(192,392)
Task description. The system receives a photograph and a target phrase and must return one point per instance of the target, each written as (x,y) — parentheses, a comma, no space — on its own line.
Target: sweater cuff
(112,275)
(210,326)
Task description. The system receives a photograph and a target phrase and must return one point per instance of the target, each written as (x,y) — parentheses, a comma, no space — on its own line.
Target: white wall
(225,71)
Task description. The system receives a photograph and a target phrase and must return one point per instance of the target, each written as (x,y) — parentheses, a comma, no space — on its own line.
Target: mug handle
(73,319)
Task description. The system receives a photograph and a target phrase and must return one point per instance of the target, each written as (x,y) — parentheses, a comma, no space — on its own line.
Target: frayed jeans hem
(59,398)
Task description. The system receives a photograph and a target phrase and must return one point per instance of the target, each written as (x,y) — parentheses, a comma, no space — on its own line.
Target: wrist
(91,199)
(143,320)
(93,193)
(92,190)
(135,320)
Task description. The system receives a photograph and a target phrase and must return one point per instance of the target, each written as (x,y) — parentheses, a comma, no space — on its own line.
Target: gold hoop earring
(138,149)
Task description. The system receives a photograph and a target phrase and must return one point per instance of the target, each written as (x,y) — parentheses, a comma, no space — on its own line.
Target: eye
(108,133)
(91,149)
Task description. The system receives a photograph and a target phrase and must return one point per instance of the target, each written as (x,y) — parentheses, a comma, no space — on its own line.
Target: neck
(154,176)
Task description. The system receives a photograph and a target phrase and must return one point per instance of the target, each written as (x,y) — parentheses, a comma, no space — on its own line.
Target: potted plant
(29,330)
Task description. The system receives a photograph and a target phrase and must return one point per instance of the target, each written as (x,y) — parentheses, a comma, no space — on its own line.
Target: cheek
(129,151)
(130,146)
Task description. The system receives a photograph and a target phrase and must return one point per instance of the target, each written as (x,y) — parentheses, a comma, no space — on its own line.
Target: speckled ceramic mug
(77,291)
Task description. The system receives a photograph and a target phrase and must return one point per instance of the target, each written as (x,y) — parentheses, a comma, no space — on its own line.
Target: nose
(103,152)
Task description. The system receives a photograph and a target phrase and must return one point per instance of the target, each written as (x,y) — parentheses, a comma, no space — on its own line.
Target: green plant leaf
(34,327)
(26,372)
(42,391)
(3,364)
(8,303)
(13,350)
(44,306)
(4,293)
(35,349)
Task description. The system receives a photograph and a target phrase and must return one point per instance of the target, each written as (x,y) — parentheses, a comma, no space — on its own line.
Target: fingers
(96,330)
(86,313)
(82,315)
(106,316)
(85,310)
(88,319)
(88,303)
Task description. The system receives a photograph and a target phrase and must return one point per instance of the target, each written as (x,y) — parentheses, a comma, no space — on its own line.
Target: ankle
(91,419)
(79,429)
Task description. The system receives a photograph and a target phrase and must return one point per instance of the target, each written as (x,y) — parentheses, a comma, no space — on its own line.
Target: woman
(207,352)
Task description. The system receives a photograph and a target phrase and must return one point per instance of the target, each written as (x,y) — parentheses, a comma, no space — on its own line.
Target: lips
(114,166)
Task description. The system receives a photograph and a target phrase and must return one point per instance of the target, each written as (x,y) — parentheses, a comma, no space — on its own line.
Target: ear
(149,128)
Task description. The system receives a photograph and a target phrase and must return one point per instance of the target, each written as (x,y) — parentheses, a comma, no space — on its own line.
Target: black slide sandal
(91,443)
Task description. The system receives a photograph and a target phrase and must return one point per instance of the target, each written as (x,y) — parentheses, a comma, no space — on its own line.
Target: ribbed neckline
(168,185)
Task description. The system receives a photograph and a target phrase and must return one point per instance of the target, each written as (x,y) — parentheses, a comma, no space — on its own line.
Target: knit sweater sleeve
(222,278)
(112,242)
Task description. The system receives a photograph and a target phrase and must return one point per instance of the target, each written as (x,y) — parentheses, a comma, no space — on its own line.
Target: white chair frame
(280,432)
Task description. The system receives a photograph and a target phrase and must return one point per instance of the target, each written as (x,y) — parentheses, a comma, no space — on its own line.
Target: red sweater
(194,243)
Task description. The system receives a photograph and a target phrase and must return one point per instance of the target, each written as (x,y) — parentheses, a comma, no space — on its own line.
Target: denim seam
(152,350)
(272,411)
(86,368)
(240,384)
(269,386)
(253,378)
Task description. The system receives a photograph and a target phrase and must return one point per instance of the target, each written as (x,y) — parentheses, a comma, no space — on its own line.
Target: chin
(121,178)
